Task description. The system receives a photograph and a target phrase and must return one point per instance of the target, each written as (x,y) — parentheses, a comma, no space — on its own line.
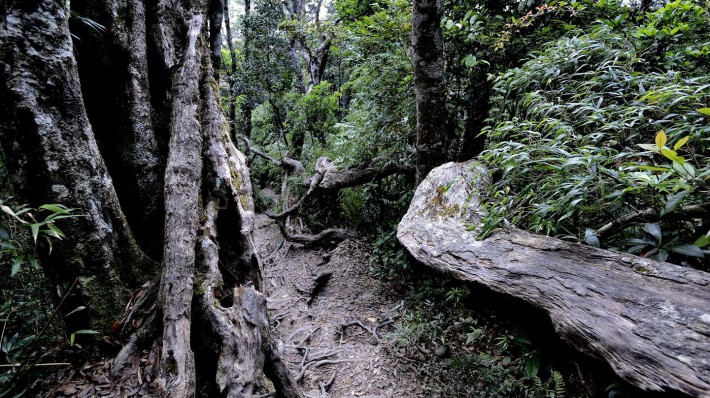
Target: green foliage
(28,330)
(315,113)
(388,257)
(566,130)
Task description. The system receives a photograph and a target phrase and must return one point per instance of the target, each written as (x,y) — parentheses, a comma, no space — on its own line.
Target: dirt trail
(361,364)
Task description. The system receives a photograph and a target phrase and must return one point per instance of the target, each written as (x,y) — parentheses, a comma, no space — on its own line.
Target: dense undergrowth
(610,125)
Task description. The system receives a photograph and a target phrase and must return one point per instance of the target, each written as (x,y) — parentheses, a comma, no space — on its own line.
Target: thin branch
(689,211)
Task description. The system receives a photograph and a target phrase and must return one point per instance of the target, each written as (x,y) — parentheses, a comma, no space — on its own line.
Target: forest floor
(309,324)
(348,327)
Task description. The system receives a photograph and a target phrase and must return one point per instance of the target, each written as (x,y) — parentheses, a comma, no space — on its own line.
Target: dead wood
(287,163)
(334,179)
(648,320)
(323,238)
(279,374)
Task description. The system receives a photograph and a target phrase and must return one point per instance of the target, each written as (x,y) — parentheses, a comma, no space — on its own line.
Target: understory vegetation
(602,136)
(592,118)
(496,348)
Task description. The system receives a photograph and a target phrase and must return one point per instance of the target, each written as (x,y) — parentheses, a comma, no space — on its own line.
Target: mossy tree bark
(166,106)
(53,157)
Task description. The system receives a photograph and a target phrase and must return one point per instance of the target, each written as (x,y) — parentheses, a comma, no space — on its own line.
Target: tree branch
(689,211)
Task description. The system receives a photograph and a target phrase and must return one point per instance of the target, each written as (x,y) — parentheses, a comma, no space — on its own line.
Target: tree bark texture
(232,109)
(52,157)
(113,70)
(182,190)
(216,16)
(429,85)
(649,320)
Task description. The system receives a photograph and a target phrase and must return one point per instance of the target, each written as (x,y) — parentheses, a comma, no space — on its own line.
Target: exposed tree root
(371,330)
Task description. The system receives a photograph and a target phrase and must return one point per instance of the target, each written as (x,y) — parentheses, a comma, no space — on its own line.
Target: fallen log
(650,321)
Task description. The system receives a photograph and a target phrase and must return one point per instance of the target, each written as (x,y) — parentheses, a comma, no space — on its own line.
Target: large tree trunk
(648,320)
(429,85)
(113,70)
(182,189)
(52,157)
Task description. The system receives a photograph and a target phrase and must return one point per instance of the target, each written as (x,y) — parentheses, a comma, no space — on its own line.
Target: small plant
(388,257)
(28,321)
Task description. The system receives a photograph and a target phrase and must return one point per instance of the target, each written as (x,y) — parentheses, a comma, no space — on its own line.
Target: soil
(332,360)
(367,365)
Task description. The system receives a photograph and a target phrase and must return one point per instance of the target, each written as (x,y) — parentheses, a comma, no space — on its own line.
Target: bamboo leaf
(55,208)
(35,231)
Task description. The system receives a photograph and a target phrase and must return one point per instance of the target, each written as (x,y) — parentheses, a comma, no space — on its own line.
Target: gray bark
(216,16)
(649,320)
(52,157)
(429,85)
(113,70)
(182,192)
(232,109)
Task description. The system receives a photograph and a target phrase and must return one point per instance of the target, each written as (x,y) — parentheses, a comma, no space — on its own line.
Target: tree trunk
(182,189)
(52,157)
(648,320)
(233,76)
(429,87)
(113,71)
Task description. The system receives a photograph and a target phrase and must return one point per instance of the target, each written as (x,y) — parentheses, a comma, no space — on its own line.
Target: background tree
(429,85)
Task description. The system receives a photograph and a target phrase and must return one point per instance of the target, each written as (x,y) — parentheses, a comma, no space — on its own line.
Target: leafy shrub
(565,136)
(28,328)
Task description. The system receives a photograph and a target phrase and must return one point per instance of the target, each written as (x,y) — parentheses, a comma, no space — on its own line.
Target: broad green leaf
(702,241)
(661,139)
(532,365)
(16,264)
(673,202)
(689,250)
(681,142)
(653,229)
(704,111)
(672,155)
